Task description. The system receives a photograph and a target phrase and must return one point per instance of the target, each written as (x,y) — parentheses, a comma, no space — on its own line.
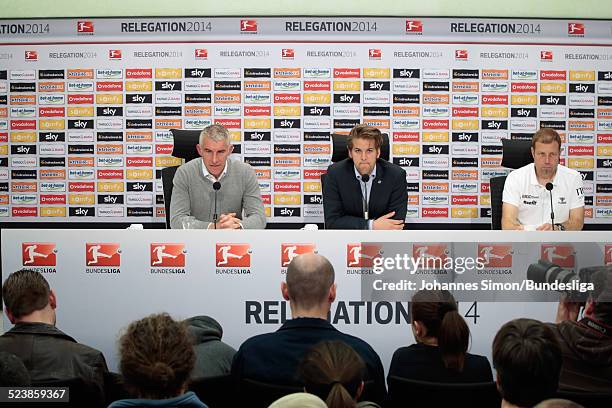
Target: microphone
(549,187)
(216,187)
(365,178)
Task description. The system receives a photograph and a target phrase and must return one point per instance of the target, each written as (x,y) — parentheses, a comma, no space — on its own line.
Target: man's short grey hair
(216,133)
(309,278)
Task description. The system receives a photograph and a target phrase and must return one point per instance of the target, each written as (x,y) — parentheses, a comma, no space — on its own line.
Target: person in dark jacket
(48,353)
(442,339)
(213,357)
(586,344)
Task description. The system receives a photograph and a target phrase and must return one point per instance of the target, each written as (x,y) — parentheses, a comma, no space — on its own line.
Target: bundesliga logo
(288,53)
(38,254)
(248,26)
(290,251)
(461,55)
(167,255)
(414,26)
(495,255)
(31,55)
(432,254)
(85,27)
(575,29)
(562,255)
(362,256)
(201,53)
(546,55)
(102,254)
(114,54)
(233,255)
(375,53)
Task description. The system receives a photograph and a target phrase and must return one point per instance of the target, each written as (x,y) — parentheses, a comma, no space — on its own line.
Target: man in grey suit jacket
(239,202)
(365,178)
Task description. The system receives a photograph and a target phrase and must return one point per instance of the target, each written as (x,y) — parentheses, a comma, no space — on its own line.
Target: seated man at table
(48,353)
(274,357)
(238,199)
(526,201)
(364,191)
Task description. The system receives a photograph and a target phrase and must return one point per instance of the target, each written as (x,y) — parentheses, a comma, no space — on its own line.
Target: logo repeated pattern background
(84,129)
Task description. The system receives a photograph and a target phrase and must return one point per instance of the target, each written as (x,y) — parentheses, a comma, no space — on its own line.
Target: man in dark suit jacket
(365,174)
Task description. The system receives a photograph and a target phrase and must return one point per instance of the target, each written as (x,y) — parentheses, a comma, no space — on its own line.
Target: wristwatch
(561,227)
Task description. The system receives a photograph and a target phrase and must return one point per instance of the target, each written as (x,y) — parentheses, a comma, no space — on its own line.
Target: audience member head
(299,400)
(28,298)
(558,403)
(436,321)
(156,357)
(527,357)
(309,286)
(12,371)
(599,305)
(333,371)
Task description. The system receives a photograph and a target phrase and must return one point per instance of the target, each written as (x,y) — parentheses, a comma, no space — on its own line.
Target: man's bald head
(309,279)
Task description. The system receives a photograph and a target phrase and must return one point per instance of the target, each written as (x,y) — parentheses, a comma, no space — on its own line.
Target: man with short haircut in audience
(47,353)
(274,357)
(587,344)
(527,358)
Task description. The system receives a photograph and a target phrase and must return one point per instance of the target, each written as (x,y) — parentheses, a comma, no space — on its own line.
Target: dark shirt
(424,363)
(274,357)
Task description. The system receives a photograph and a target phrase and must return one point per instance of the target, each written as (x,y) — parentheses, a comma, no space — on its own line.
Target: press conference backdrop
(86,106)
(104,279)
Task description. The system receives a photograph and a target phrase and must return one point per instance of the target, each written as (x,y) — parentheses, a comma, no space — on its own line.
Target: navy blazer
(343,200)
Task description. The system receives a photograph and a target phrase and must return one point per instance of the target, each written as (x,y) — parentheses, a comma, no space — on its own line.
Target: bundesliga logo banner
(85,123)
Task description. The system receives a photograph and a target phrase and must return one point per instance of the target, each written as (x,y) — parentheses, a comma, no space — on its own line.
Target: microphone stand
(549,187)
(216,187)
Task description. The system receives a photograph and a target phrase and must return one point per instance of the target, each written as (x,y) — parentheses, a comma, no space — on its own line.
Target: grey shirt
(193,195)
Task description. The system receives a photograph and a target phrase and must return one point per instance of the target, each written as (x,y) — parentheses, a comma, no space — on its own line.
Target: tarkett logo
(102,254)
(290,251)
(414,26)
(562,255)
(167,255)
(362,256)
(38,254)
(233,255)
(495,255)
(85,27)
(248,26)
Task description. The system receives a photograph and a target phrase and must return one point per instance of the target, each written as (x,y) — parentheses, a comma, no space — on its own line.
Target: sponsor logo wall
(84,128)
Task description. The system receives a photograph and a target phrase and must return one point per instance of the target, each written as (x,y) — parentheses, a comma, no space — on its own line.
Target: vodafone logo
(414,26)
(317,85)
(314,174)
(80,99)
(53,199)
(102,254)
(290,251)
(464,200)
(85,27)
(167,255)
(31,55)
(347,73)
(114,54)
(465,112)
(553,75)
(287,53)
(434,212)
(109,86)
(495,99)
(581,151)
(495,255)
(286,98)
(562,255)
(361,256)
(257,110)
(435,124)
(134,73)
(524,87)
(286,187)
(38,254)
(230,255)
(24,212)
